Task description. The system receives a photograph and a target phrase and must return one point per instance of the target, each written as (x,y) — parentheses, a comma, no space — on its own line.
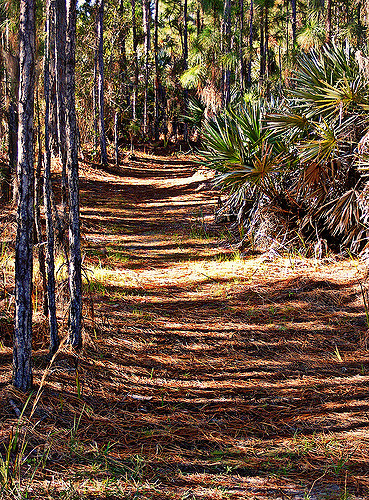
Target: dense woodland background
(272,94)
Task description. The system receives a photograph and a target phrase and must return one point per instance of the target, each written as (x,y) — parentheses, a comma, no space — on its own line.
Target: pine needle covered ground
(204,374)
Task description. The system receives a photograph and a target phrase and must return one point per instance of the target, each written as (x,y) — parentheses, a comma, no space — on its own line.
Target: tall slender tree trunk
(294,23)
(262,45)
(50,264)
(266,48)
(157,76)
(95,93)
(135,58)
(227,74)
(22,351)
(185,61)
(75,280)
(38,199)
(242,60)
(146,28)
(251,36)
(116,138)
(53,122)
(329,20)
(13,148)
(100,40)
(60,33)
(11,79)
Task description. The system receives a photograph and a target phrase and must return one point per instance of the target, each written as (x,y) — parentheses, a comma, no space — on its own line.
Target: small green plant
(10,464)
(74,430)
(337,354)
(365,296)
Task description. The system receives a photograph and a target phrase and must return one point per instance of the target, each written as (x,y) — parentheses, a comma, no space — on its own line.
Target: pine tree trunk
(329,20)
(242,60)
(116,142)
(294,23)
(185,62)
(157,76)
(95,101)
(227,76)
(53,122)
(11,78)
(75,280)
(100,58)
(135,57)
(251,36)
(22,351)
(60,33)
(262,47)
(38,198)
(266,48)
(13,149)
(53,324)
(146,28)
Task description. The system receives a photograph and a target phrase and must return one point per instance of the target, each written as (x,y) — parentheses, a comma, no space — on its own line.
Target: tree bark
(329,20)
(38,198)
(135,58)
(251,33)
(13,149)
(116,138)
(147,43)
(100,58)
(262,45)
(95,99)
(22,361)
(294,23)
(227,74)
(75,280)
(157,76)
(242,60)
(53,121)
(185,61)
(53,323)
(60,33)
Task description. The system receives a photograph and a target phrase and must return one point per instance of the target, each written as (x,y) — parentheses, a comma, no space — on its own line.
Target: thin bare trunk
(38,198)
(329,20)
(185,61)
(262,45)
(22,351)
(135,43)
(95,100)
(227,74)
(157,76)
(53,323)
(294,23)
(242,60)
(100,58)
(251,36)
(75,279)
(116,144)
(60,31)
(147,43)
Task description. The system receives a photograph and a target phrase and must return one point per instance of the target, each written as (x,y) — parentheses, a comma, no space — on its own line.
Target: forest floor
(205,374)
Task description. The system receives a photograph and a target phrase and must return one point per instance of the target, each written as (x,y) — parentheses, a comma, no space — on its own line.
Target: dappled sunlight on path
(204,374)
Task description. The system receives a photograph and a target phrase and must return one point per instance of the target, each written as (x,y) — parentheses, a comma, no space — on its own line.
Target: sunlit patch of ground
(205,374)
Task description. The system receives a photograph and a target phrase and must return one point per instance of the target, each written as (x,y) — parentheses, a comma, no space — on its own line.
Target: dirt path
(204,375)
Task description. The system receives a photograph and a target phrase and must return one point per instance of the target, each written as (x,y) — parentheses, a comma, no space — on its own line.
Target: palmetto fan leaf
(292,123)
(343,214)
(330,82)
